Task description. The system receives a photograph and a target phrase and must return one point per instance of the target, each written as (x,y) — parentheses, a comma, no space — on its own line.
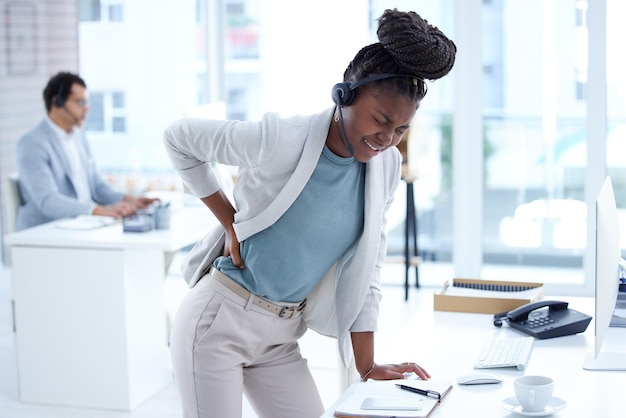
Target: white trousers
(223,346)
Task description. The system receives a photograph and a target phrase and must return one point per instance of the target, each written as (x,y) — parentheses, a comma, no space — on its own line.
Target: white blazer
(276,157)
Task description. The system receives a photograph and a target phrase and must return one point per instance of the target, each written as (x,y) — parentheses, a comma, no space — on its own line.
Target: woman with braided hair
(303,242)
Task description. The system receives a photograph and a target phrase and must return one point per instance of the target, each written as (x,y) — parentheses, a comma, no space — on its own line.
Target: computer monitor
(607,263)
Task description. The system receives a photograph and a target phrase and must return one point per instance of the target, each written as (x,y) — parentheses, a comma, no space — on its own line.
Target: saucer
(554,405)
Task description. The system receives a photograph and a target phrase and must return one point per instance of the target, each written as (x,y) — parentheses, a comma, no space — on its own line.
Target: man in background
(57,173)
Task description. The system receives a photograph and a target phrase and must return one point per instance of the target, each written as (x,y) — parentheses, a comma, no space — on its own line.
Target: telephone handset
(544,319)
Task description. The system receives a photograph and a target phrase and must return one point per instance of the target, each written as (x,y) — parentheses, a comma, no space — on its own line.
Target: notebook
(383,393)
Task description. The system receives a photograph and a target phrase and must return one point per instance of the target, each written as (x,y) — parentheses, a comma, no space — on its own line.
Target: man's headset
(59,101)
(343,95)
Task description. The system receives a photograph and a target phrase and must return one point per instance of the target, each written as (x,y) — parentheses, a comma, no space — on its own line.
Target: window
(107,112)
(534,90)
(95,115)
(534,208)
(89,10)
(118,124)
(242,37)
(116,13)
(616,108)
(581,43)
(580,90)
(117,100)
(237,104)
(101,10)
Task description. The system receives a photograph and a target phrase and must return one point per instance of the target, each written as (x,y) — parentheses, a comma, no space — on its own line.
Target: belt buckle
(293,310)
(283,312)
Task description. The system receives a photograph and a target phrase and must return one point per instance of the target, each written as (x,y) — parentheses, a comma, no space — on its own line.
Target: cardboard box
(486,296)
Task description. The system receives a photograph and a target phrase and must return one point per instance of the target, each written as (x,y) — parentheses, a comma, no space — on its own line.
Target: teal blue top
(285,261)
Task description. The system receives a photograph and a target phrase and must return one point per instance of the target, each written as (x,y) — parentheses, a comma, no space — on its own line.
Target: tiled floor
(319,350)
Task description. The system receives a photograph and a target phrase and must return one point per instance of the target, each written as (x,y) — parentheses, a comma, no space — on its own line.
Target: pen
(430,393)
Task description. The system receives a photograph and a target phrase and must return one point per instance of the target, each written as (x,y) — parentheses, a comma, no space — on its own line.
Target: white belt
(282,311)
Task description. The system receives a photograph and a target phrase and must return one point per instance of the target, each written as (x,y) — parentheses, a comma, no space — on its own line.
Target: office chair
(13,200)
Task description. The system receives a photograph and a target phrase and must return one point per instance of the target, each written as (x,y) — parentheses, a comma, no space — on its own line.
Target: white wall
(37,39)
(306,52)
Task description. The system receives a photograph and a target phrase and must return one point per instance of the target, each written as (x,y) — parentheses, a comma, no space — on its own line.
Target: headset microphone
(59,101)
(345,134)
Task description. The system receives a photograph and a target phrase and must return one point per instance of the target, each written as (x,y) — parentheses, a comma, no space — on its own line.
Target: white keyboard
(505,352)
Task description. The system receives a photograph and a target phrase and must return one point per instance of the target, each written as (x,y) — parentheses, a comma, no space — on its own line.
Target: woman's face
(374,122)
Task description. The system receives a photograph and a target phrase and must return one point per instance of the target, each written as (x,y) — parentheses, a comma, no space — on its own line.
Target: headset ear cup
(58,101)
(342,95)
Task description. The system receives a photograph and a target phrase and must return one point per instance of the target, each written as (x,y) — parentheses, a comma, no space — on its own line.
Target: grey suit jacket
(45,180)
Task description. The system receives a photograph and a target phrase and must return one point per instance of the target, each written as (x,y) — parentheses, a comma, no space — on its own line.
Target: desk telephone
(544,319)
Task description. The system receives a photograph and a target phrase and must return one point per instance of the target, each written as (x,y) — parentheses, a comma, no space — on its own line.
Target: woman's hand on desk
(396,371)
(363,347)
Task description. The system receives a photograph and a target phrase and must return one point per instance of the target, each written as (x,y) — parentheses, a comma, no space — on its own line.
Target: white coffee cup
(533,392)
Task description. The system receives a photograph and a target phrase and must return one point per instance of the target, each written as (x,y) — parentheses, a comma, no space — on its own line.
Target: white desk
(89,313)
(447,344)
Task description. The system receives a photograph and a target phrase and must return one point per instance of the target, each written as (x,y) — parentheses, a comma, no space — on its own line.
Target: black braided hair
(408,45)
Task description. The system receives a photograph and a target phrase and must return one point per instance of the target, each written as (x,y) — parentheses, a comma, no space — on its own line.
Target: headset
(343,93)
(59,100)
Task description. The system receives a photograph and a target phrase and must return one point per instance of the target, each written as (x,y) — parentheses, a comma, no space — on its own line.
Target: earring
(336,116)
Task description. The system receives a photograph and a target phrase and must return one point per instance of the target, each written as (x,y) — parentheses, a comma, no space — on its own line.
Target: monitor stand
(605,361)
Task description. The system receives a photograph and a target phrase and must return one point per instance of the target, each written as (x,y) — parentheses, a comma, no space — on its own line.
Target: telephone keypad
(539,321)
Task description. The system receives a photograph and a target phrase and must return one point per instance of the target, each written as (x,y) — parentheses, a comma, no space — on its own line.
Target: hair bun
(418,47)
